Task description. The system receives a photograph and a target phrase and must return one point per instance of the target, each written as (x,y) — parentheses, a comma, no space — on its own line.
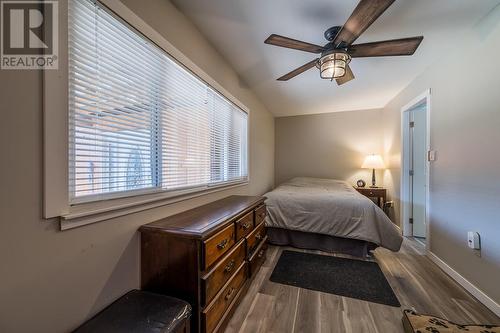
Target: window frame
(56,126)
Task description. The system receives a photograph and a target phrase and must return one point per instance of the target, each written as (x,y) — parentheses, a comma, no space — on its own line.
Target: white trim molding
(466,284)
(86,216)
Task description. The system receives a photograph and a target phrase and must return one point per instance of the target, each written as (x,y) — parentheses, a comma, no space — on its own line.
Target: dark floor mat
(340,276)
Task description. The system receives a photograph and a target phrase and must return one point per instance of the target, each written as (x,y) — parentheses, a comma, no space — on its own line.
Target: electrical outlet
(389,204)
(473,240)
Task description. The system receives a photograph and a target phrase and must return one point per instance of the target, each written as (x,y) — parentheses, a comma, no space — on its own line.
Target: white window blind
(139,121)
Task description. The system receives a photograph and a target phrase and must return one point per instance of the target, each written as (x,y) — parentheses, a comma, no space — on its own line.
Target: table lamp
(373,162)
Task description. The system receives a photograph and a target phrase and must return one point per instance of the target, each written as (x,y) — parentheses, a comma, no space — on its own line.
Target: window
(139,122)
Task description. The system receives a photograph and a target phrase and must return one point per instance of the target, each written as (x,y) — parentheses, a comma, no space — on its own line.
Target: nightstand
(379,193)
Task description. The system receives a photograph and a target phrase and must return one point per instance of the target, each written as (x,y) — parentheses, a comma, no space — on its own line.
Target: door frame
(405,185)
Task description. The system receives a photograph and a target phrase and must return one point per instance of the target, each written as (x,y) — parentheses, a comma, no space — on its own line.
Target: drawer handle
(258,236)
(261,253)
(262,215)
(247,225)
(229,267)
(230,293)
(223,244)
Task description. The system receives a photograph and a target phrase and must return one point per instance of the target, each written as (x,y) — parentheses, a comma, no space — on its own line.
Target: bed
(328,215)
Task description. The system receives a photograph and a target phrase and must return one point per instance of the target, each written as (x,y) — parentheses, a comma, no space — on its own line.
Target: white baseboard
(475,291)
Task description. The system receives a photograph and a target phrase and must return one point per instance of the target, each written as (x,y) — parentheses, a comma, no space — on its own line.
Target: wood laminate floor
(417,282)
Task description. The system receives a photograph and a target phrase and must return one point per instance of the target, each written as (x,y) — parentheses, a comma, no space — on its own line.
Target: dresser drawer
(244,225)
(372,192)
(214,312)
(257,258)
(260,214)
(217,245)
(214,280)
(254,238)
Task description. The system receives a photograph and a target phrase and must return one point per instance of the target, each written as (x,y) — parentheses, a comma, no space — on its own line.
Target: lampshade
(332,65)
(373,162)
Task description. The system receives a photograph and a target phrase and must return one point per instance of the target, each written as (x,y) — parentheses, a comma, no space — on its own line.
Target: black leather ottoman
(141,312)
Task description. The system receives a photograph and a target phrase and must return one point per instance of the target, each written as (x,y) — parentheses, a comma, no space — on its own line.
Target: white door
(417,174)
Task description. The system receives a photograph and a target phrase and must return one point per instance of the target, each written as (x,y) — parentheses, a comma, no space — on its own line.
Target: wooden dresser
(206,256)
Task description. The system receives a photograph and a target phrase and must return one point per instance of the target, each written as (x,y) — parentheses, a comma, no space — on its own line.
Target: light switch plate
(431,155)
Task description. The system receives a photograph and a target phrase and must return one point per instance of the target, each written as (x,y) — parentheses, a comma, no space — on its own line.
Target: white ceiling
(238,28)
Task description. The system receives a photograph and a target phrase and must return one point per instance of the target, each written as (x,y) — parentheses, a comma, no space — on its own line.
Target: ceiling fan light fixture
(332,65)
(335,56)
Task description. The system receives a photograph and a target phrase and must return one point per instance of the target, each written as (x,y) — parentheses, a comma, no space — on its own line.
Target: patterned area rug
(417,323)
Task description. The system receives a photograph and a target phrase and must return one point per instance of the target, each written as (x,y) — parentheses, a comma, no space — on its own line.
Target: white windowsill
(84,214)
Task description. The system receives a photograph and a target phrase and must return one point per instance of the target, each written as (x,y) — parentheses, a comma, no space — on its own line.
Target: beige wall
(51,281)
(328,145)
(465,131)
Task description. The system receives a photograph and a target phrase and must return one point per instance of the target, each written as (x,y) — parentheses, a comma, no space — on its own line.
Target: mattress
(330,207)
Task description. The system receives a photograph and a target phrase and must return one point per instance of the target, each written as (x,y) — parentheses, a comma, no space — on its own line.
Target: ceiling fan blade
(347,77)
(290,43)
(298,71)
(395,47)
(365,13)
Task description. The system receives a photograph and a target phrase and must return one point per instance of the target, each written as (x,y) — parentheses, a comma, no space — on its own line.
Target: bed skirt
(313,241)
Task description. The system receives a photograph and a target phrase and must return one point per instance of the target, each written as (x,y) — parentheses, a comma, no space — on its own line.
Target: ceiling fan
(336,55)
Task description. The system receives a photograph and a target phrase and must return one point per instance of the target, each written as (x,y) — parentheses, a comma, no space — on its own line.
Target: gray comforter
(330,207)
